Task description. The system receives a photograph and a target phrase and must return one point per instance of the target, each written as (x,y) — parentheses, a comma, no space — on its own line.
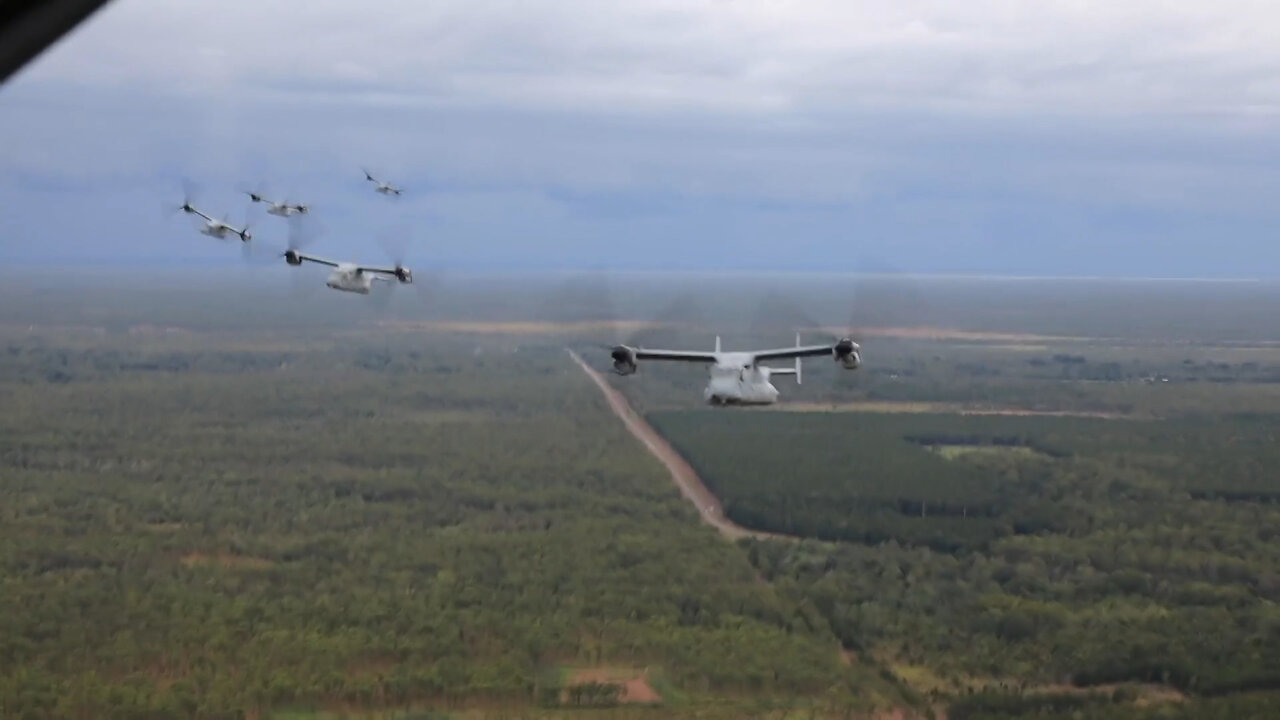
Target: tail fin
(717,343)
(798,376)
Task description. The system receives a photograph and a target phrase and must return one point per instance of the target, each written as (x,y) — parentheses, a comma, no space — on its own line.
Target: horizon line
(11,267)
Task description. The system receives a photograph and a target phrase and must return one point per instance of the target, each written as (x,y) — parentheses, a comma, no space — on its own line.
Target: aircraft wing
(681,355)
(317,260)
(378,270)
(799,351)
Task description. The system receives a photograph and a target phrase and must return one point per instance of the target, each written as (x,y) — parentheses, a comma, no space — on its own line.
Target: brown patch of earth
(635,683)
(937,333)
(244,562)
(1099,414)
(519,327)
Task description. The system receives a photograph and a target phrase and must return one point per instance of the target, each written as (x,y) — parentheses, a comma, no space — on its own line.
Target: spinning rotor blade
(304,284)
(832,317)
(396,242)
(242,230)
(779,315)
(677,323)
(610,313)
(190,193)
(253,213)
(257,193)
(303,232)
(287,197)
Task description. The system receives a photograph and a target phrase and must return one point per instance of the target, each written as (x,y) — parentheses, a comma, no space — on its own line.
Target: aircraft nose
(721,388)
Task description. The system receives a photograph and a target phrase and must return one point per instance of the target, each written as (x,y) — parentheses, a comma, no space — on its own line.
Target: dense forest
(872,477)
(238,506)
(223,525)
(1111,551)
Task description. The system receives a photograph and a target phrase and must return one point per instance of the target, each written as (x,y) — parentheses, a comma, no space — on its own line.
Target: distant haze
(1057,138)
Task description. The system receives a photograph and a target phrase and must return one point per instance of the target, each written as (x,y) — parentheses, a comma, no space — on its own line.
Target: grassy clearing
(957,452)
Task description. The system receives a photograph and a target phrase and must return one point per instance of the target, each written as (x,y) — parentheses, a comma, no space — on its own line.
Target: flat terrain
(237,505)
(349,524)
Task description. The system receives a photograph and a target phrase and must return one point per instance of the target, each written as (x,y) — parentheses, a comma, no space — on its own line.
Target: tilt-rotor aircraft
(380,186)
(350,277)
(215,228)
(738,378)
(282,208)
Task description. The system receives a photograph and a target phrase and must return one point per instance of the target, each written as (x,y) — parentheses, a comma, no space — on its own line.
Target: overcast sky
(1047,137)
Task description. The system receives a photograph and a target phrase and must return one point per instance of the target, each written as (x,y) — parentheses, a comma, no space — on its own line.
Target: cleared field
(956,452)
(622,327)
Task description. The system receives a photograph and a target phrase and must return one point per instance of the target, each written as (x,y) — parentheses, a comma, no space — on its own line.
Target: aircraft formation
(344,276)
(736,378)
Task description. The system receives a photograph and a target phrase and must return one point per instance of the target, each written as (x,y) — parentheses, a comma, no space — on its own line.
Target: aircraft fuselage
(740,384)
(350,279)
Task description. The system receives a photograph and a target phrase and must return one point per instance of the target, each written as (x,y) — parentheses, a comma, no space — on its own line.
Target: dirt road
(681,473)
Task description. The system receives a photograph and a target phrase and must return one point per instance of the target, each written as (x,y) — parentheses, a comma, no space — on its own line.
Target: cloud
(1049,137)
(723,56)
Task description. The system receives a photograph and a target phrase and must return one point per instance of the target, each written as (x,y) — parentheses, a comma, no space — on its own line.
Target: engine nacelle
(403,274)
(292,257)
(624,360)
(849,354)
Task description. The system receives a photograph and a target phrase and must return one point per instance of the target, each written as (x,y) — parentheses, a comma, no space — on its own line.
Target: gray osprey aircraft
(215,228)
(380,186)
(350,277)
(738,378)
(283,208)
